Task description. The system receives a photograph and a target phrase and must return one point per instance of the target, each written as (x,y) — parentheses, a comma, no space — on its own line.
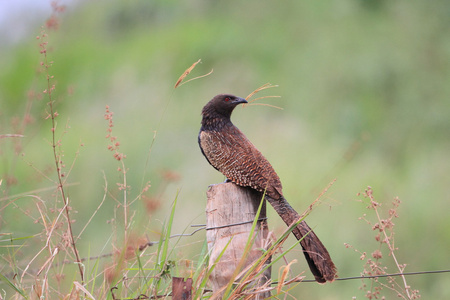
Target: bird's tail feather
(316,254)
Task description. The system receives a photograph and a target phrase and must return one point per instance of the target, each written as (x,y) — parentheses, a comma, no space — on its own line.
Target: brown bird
(229,151)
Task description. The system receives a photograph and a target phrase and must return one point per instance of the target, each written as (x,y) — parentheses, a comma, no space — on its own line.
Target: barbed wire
(300,280)
(383,275)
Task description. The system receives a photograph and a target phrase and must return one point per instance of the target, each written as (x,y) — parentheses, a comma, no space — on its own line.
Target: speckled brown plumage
(229,151)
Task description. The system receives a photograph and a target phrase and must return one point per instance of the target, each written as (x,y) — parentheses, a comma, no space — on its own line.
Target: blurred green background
(365,87)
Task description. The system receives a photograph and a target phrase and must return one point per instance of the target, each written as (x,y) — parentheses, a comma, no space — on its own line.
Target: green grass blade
(208,273)
(13,286)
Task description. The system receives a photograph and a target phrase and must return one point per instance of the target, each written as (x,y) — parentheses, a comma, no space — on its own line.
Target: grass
(132,273)
(374,264)
(363,91)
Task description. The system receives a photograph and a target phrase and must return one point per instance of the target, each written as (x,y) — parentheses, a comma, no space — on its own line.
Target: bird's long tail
(316,254)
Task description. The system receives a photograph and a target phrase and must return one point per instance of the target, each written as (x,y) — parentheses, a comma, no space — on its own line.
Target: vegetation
(364,91)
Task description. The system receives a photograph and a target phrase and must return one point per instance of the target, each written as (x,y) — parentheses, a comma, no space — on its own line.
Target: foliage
(364,92)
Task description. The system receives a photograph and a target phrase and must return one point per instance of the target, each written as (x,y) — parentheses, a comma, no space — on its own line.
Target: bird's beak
(240,100)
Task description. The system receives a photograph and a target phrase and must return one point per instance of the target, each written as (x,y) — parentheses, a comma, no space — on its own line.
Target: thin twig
(32,192)
(392,250)
(311,206)
(2,136)
(98,208)
(56,156)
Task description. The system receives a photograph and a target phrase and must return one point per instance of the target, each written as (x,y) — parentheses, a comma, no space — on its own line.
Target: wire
(383,275)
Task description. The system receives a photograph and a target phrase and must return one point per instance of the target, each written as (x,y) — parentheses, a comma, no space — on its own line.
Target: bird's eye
(227,99)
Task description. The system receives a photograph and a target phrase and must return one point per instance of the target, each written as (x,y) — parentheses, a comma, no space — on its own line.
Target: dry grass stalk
(261,88)
(284,273)
(243,279)
(311,206)
(374,266)
(10,135)
(187,72)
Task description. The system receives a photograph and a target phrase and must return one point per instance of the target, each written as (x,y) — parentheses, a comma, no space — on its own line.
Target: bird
(230,152)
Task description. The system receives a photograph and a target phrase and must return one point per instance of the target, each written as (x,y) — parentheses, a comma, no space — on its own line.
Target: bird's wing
(231,153)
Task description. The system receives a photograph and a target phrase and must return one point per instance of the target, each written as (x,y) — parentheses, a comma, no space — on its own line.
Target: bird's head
(222,104)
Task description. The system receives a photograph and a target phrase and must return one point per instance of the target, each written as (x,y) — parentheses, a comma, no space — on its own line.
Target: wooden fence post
(229,204)
(181,290)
